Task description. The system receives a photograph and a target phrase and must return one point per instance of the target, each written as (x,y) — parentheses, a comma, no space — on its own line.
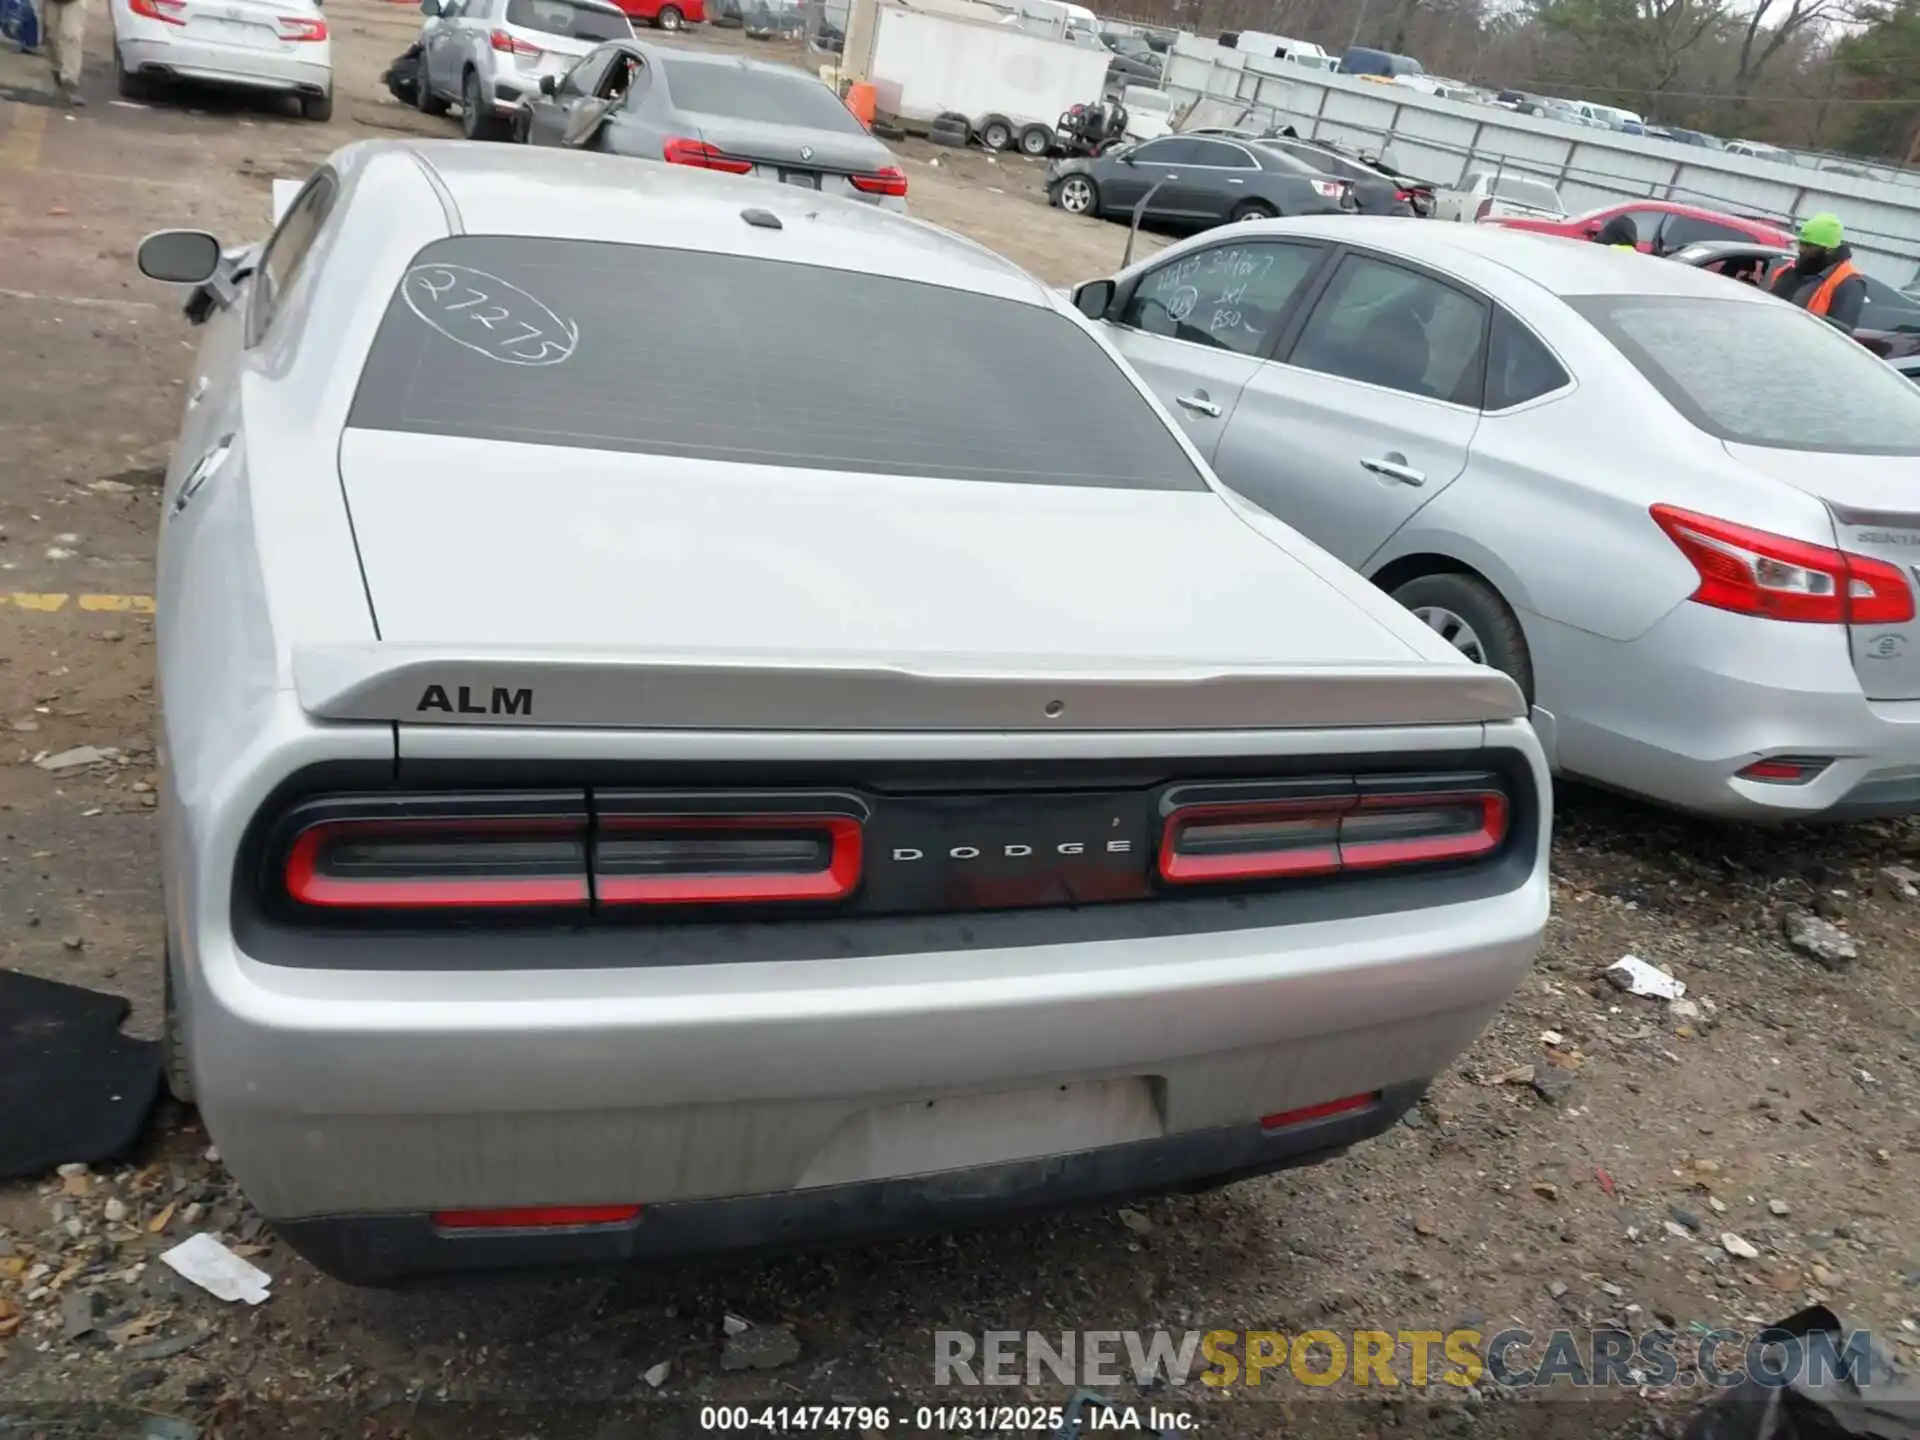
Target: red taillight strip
(1347,1106)
(1858,589)
(536,1217)
(890,181)
(310,885)
(680,150)
(167,12)
(839,879)
(1370,854)
(1339,849)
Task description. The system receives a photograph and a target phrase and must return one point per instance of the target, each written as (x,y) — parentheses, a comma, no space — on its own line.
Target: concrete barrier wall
(1440,140)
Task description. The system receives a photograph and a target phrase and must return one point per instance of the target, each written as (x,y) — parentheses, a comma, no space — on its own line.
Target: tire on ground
(1479,604)
(997,132)
(949,138)
(317,108)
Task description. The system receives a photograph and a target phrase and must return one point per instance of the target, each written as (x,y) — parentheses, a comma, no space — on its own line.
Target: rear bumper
(393,1249)
(1677,714)
(237,66)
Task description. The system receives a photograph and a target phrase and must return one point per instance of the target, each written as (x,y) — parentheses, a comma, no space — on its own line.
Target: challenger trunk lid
(518,584)
(1875,504)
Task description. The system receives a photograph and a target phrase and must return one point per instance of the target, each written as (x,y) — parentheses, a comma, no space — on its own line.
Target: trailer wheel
(1036,141)
(996,132)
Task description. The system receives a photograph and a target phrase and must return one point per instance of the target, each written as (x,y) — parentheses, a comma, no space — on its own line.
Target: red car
(665,14)
(1662,225)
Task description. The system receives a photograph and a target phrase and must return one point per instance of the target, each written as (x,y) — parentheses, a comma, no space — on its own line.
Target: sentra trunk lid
(532,585)
(1875,504)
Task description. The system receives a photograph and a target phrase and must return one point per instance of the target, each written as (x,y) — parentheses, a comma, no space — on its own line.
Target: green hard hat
(1823,231)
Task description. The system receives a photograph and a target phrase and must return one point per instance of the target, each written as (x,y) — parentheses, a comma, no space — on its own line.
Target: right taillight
(1754,572)
(679,150)
(1226,834)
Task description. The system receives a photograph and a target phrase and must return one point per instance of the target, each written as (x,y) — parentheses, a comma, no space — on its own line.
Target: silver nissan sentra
(697,715)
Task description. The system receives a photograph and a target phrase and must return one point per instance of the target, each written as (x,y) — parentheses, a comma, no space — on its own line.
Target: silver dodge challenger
(699,715)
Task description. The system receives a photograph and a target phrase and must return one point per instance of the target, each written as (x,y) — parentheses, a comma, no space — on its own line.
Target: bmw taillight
(890,181)
(1220,834)
(652,849)
(679,150)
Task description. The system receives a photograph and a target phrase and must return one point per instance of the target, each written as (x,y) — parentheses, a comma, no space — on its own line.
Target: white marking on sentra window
(488,315)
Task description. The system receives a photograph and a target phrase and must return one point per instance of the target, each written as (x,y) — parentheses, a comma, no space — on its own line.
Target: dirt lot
(1580,1166)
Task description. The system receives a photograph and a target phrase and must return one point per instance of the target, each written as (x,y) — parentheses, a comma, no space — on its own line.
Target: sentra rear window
(742,93)
(1762,374)
(562,17)
(705,356)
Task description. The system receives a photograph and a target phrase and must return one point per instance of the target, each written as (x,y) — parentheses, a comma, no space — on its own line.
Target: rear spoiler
(440,685)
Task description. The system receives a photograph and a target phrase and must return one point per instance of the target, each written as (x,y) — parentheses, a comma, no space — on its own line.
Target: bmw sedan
(601,821)
(716,112)
(1677,512)
(1194,182)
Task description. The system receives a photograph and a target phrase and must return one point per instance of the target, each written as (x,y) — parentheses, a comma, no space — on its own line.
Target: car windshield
(774,96)
(711,357)
(564,17)
(1777,377)
(1526,192)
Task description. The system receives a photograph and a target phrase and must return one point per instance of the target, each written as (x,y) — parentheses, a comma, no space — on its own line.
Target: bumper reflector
(1786,769)
(1288,1118)
(536,1217)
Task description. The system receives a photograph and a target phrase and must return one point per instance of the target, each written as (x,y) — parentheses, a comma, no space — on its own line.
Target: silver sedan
(1682,515)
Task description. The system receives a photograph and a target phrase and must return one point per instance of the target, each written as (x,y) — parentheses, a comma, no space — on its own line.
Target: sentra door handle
(1395,467)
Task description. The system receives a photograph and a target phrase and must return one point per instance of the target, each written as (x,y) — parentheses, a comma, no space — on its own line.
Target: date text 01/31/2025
(963,1420)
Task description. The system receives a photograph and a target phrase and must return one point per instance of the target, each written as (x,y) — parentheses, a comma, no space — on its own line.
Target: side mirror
(549,84)
(179,257)
(1094,299)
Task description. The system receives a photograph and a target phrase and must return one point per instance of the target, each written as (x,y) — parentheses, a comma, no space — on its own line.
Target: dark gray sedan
(1194,181)
(714,112)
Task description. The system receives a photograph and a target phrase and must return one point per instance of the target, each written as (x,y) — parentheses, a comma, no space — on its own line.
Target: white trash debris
(1738,1248)
(657,1376)
(1637,977)
(734,1325)
(73,759)
(217,1270)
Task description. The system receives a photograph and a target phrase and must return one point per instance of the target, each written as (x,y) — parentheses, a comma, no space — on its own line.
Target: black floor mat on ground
(72,1087)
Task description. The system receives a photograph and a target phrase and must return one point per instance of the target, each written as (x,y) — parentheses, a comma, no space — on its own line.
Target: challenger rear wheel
(173,1040)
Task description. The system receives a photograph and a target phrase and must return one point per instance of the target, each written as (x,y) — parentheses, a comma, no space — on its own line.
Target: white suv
(489,56)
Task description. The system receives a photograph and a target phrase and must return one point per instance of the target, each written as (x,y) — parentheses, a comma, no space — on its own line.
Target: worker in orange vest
(1823,280)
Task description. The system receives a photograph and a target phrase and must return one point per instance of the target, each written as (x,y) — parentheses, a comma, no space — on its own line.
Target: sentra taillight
(504,852)
(679,150)
(1753,572)
(727,849)
(1215,834)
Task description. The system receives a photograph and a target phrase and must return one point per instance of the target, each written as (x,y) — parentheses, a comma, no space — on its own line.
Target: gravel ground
(1597,1158)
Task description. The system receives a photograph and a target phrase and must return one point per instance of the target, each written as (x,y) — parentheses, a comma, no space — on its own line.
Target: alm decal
(462,701)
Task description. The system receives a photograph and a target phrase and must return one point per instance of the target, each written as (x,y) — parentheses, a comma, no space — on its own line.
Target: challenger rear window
(704,356)
(1762,374)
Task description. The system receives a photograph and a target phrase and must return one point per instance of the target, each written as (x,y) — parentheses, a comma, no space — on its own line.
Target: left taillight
(302,28)
(167,12)
(891,180)
(437,854)
(507,43)
(1230,833)
(680,150)
(653,849)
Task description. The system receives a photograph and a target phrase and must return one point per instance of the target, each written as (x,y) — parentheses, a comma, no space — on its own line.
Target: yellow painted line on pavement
(20,141)
(48,604)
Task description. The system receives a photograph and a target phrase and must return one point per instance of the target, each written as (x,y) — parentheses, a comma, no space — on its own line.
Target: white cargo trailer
(1011,83)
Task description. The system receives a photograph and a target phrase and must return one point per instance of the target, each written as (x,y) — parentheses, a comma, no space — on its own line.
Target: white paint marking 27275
(488,315)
